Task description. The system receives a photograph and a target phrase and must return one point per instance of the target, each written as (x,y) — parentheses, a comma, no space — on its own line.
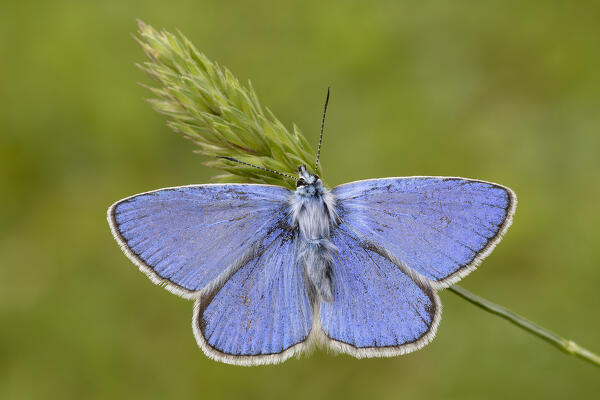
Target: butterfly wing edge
(388,351)
(302,348)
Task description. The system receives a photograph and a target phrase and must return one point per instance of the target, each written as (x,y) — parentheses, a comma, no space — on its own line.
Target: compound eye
(300,182)
(316,177)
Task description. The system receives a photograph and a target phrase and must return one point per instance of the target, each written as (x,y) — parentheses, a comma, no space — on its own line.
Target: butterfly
(274,272)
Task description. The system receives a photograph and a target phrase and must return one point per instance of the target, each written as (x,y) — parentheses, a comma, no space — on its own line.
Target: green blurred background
(502,91)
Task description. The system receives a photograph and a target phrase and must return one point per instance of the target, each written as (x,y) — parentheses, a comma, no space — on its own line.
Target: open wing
(439,227)
(380,308)
(185,237)
(261,314)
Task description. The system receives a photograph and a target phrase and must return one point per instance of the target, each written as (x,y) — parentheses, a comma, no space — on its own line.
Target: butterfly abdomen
(314,217)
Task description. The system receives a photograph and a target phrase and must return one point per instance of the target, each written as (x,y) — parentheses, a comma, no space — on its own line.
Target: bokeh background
(503,91)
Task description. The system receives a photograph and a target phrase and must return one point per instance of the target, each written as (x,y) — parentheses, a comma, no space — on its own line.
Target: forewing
(378,309)
(261,314)
(440,227)
(185,237)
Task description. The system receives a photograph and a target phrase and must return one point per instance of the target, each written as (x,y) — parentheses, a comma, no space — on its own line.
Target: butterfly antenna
(256,166)
(322,127)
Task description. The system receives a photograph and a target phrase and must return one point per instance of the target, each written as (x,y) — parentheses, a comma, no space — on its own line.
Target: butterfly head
(308,184)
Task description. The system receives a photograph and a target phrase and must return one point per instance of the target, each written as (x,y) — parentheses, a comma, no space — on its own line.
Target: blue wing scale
(379,309)
(185,237)
(262,313)
(438,227)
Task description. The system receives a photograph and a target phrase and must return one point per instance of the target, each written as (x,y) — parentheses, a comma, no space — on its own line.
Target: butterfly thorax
(312,209)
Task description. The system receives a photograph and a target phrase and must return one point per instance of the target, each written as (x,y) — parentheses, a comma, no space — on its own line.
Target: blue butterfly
(274,272)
